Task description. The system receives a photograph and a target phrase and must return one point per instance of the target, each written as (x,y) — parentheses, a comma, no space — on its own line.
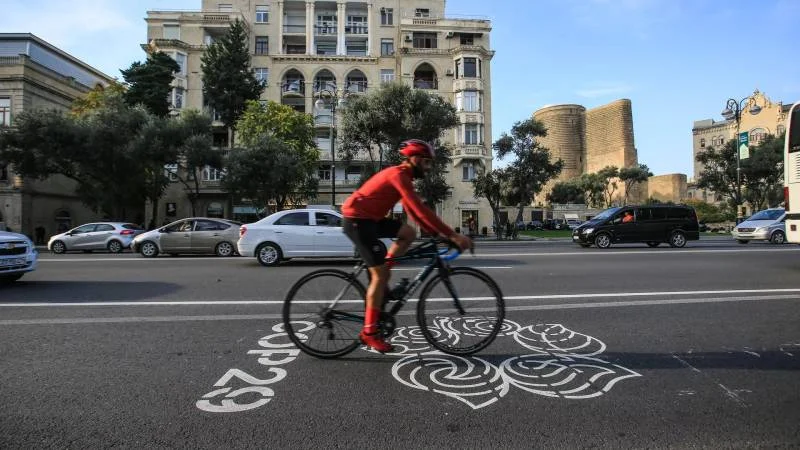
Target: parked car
(18,256)
(573,223)
(534,225)
(652,224)
(192,235)
(297,233)
(111,236)
(766,225)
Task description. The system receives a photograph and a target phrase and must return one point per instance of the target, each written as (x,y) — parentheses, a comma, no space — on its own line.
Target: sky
(676,60)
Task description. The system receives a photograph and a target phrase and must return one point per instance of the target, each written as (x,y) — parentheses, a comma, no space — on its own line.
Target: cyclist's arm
(421,214)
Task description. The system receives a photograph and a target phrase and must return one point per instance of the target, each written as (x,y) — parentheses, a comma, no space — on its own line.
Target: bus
(791,175)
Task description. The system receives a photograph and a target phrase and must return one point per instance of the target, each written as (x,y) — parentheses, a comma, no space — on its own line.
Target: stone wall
(609,136)
(667,188)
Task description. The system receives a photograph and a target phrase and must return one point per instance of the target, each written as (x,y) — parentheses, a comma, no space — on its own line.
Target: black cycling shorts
(366,235)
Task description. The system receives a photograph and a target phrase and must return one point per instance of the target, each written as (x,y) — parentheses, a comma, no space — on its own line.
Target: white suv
(296,233)
(17,256)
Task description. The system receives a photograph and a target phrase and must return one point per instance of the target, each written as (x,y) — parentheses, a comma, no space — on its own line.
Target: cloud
(604,90)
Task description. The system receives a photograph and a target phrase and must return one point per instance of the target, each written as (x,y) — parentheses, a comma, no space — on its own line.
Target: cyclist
(365,222)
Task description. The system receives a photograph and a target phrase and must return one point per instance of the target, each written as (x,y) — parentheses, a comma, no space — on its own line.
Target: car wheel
(269,254)
(58,247)
(653,244)
(224,249)
(10,278)
(602,240)
(677,239)
(148,249)
(115,246)
(742,241)
(778,237)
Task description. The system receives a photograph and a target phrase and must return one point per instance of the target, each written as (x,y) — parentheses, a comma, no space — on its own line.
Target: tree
(566,192)
(149,84)
(762,173)
(296,131)
(633,175)
(593,186)
(268,171)
(609,175)
(193,152)
(96,98)
(719,172)
(494,186)
(710,213)
(373,126)
(228,80)
(531,168)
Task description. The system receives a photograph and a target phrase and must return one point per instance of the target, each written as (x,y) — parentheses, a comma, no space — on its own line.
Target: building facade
(304,49)
(768,118)
(35,75)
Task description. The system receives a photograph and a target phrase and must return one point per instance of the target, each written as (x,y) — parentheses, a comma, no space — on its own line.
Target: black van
(652,224)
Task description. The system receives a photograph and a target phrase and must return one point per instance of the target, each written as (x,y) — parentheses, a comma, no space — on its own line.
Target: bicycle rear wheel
(313,324)
(465,331)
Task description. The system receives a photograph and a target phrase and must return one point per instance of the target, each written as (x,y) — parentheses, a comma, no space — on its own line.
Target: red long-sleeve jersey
(380,193)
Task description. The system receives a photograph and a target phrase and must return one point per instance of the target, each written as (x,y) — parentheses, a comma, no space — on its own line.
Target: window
(425,40)
(211,225)
(104,227)
(326,48)
(467,39)
(780,130)
(225,7)
(180,58)
(356,25)
(357,48)
(387,16)
(262,14)
(177,97)
(467,101)
(171,172)
(262,45)
(295,218)
(84,229)
(422,12)
(468,171)
(324,172)
(471,134)
(326,24)
(702,142)
(172,31)
(3,172)
(387,47)
(327,220)
(5,112)
(757,136)
(470,67)
(262,75)
(211,174)
(387,75)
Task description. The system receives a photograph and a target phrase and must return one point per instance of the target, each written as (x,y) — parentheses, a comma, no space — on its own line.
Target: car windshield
(767,214)
(606,214)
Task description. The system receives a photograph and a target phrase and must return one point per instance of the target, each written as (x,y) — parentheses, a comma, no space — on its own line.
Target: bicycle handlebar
(448,255)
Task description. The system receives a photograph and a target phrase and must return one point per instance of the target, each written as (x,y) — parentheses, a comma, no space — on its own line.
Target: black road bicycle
(460,310)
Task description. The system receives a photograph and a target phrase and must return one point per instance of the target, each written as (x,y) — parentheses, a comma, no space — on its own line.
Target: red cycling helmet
(416,147)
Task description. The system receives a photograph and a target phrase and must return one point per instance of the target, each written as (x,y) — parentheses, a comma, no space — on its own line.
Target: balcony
(356,87)
(468,84)
(293,88)
(323,119)
(294,29)
(341,182)
(470,151)
(356,29)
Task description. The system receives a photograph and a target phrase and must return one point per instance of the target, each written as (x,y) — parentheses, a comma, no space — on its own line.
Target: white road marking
(507,298)
(220,317)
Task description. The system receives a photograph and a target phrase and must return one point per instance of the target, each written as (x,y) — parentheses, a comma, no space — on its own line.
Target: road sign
(744,149)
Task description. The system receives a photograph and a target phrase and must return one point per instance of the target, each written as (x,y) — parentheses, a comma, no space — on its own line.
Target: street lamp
(733,111)
(335,98)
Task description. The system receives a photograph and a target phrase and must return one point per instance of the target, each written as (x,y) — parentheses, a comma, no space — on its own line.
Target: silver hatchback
(192,235)
(111,236)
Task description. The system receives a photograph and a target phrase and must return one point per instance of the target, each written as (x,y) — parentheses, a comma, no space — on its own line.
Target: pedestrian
(40,233)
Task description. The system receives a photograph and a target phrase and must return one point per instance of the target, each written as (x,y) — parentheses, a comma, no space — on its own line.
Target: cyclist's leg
(405,236)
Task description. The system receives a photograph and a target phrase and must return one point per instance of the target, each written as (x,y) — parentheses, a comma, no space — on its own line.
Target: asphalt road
(626,348)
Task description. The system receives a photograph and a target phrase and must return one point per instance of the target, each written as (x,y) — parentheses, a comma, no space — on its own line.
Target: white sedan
(18,256)
(296,233)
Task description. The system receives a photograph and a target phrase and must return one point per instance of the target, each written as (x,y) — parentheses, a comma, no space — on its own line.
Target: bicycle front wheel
(461,313)
(324,312)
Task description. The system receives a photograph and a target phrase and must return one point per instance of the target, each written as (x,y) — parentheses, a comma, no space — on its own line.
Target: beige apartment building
(35,75)
(303,49)
(760,116)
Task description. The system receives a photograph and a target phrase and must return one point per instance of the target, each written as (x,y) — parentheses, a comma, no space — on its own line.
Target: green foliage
(270,170)
(374,125)
(633,175)
(98,97)
(279,121)
(149,84)
(531,168)
(494,186)
(609,175)
(566,192)
(593,186)
(228,79)
(710,213)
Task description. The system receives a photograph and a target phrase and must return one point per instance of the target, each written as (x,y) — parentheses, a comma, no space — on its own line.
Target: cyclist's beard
(417,171)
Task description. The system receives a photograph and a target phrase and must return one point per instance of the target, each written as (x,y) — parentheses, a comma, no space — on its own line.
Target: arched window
(757,135)
(425,77)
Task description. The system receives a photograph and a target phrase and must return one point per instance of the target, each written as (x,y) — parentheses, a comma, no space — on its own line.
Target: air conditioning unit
(408,38)
(450,34)
(449,72)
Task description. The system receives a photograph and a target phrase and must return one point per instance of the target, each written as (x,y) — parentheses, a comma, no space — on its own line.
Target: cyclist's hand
(463,242)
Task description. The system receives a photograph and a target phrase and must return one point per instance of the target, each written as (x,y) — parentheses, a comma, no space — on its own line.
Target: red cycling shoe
(375,341)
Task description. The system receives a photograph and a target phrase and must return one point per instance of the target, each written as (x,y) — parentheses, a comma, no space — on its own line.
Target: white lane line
(222,317)
(478,256)
(517,297)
